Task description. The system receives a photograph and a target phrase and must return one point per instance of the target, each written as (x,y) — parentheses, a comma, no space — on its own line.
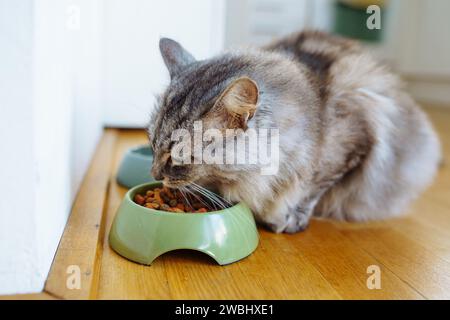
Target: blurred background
(69,68)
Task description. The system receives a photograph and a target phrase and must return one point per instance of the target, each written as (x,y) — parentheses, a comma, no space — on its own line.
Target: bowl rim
(167,213)
(133,151)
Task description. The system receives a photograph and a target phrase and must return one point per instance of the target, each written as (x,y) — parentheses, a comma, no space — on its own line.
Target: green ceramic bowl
(135,167)
(141,234)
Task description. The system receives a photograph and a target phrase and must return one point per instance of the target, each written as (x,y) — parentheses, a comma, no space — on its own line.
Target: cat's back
(315,49)
(338,64)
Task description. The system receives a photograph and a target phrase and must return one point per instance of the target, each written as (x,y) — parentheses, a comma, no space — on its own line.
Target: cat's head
(218,92)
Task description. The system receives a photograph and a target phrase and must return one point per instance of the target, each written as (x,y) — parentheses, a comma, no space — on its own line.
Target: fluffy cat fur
(353,145)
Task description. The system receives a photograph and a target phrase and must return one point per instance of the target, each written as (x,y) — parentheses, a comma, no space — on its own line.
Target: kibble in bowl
(173,200)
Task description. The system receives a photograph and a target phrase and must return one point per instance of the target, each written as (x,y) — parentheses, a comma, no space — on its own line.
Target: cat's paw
(296,222)
(275,227)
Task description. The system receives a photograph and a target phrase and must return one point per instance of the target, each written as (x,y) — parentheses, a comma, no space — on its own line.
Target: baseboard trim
(435,92)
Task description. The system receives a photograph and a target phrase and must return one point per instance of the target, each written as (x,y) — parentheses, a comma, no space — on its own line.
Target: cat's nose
(156,173)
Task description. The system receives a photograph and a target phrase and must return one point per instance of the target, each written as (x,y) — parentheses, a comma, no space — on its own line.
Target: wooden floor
(328,261)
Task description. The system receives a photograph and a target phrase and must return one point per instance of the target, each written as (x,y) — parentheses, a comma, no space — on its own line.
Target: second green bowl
(135,167)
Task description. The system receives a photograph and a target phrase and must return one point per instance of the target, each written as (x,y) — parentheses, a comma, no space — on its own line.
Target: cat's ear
(174,55)
(239,102)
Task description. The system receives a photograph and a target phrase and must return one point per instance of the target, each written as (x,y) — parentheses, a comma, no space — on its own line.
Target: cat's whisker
(190,194)
(213,196)
(182,190)
(218,197)
(209,195)
(216,204)
(202,201)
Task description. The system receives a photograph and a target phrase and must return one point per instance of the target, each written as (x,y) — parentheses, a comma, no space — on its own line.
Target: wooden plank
(409,260)
(269,273)
(78,246)
(120,278)
(439,191)
(29,296)
(431,236)
(416,247)
(427,223)
(345,265)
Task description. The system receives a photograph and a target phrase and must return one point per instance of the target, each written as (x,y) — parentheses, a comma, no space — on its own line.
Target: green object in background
(141,234)
(135,167)
(350,21)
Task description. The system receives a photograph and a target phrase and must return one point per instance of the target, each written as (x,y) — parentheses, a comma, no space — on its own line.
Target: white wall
(134,70)
(51,121)
(424,30)
(421,46)
(16,130)
(258,22)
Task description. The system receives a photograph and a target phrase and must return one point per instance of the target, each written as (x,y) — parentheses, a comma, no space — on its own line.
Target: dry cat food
(172,200)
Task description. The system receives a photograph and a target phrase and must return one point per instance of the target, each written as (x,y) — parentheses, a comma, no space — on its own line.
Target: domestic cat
(352,144)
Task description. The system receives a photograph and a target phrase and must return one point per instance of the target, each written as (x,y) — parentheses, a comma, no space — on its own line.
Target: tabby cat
(353,145)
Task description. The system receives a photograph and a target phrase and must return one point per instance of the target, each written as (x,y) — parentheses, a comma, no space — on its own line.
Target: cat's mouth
(175,183)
